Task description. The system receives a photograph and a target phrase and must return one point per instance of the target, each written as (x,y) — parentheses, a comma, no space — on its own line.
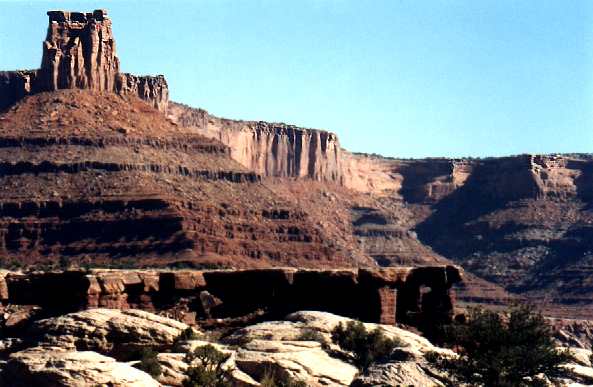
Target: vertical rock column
(387,297)
(79,52)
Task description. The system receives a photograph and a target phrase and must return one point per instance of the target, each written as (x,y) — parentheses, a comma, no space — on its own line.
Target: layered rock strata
(94,176)
(79,52)
(270,149)
(522,222)
(412,294)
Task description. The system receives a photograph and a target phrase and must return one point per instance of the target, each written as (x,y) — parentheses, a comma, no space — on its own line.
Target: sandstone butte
(98,167)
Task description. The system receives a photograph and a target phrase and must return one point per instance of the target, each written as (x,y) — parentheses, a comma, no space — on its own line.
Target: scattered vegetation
(208,370)
(313,335)
(185,335)
(274,379)
(502,350)
(149,363)
(366,347)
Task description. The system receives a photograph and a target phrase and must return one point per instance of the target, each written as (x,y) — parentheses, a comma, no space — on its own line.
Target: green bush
(209,371)
(503,350)
(149,363)
(367,347)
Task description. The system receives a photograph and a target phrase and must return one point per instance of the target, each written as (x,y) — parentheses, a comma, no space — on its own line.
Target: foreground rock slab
(279,345)
(109,330)
(55,366)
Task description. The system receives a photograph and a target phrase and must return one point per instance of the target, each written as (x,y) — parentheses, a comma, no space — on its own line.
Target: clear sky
(404,78)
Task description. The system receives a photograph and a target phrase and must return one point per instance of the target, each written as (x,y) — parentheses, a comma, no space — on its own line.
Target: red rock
(79,52)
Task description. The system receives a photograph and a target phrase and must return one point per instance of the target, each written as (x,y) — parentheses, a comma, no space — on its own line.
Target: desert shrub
(503,350)
(312,335)
(209,371)
(367,347)
(185,335)
(273,379)
(149,363)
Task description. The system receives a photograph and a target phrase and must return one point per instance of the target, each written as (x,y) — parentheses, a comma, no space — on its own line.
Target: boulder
(173,368)
(55,366)
(298,323)
(109,330)
(278,345)
(300,360)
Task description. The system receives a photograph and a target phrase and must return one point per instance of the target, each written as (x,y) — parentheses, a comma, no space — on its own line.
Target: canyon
(128,220)
(98,166)
(521,223)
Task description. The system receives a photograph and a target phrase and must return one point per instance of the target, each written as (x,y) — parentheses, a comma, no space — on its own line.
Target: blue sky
(403,78)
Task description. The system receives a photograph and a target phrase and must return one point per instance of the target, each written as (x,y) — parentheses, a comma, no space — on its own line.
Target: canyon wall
(369,295)
(270,149)
(500,178)
(79,52)
(109,179)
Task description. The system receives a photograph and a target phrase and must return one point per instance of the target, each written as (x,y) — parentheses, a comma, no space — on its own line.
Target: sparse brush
(149,363)
(366,347)
(313,335)
(273,379)
(186,335)
(208,370)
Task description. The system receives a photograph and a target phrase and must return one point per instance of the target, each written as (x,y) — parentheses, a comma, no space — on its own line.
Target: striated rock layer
(93,176)
(270,149)
(523,222)
(79,52)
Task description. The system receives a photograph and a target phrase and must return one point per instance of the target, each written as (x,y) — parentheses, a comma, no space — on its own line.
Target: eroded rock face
(106,176)
(301,360)
(14,85)
(56,366)
(79,53)
(108,330)
(277,345)
(364,294)
(271,149)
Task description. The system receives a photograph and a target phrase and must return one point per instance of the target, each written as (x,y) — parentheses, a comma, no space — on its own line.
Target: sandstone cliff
(501,178)
(95,176)
(270,149)
(79,52)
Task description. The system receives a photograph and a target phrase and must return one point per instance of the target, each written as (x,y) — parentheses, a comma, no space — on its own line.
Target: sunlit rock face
(270,149)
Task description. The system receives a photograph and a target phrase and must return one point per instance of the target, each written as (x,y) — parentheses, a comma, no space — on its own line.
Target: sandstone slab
(55,366)
(109,330)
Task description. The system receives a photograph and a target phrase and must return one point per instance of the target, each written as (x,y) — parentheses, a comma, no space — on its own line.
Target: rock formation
(56,366)
(369,295)
(79,52)
(522,222)
(109,331)
(91,174)
(270,149)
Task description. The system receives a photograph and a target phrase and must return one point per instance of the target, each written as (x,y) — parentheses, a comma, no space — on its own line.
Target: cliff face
(274,150)
(79,52)
(503,178)
(95,176)
(523,222)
